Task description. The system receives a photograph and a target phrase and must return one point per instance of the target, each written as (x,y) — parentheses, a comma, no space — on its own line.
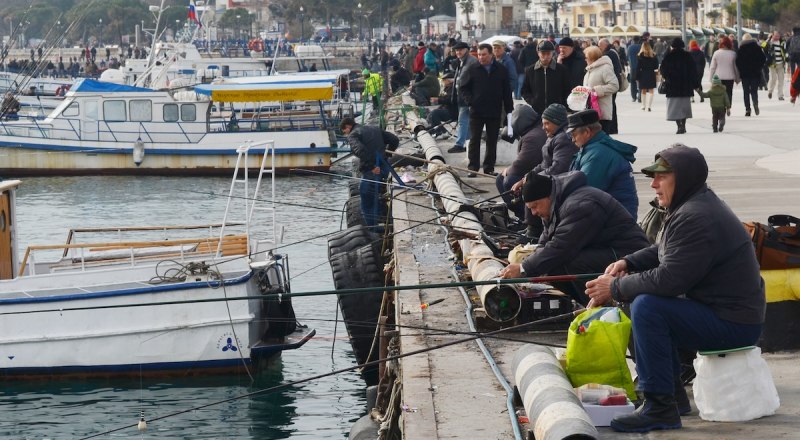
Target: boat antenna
(155,36)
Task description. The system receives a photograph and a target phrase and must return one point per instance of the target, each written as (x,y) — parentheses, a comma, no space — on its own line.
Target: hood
(563,185)
(690,169)
(744,43)
(603,61)
(523,119)
(625,150)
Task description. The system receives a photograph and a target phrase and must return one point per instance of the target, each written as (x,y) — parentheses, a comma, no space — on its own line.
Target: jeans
(663,325)
(476,125)
(750,88)
(462,131)
(370,189)
(518,91)
(504,184)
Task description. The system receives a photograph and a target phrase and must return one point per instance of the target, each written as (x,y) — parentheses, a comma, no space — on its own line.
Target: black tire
(358,269)
(353,212)
(351,239)
(354,187)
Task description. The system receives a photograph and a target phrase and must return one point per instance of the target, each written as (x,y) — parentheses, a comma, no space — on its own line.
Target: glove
(508,125)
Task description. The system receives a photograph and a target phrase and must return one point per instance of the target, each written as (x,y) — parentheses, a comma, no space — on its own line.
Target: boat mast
(155,36)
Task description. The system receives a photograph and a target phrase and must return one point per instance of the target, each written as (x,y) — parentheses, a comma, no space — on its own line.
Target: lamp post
(238,27)
(555,16)
(360,22)
(428,23)
(100,32)
(302,24)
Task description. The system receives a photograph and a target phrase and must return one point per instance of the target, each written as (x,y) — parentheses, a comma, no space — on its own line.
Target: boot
(683,126)
(755,107)
(682,399)
(720,126)
(658,412)
(678,123)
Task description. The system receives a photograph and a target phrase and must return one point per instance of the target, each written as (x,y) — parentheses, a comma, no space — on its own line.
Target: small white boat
(197,299)
(105,128)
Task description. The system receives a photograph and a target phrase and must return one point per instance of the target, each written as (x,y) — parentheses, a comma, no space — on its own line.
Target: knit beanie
(536,187)
(555,113)
(716,81)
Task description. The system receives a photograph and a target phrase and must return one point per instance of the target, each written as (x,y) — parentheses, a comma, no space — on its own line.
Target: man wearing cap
(426,88)
(605,161)
(585,229)
(486,89)
(464,61)
(502,57)
(447,110)
(573,59)
(698,288)
(546,82)
(400,77)
(368,143)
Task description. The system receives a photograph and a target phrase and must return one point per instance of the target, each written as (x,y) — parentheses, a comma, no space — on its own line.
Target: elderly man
(573,59)
(585,229)
(605,161)
(502,57)
(464,61)
(698,288)
(546,82)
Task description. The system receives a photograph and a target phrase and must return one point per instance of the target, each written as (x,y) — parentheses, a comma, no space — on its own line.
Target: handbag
(662,87)
(777,244)
(623,82)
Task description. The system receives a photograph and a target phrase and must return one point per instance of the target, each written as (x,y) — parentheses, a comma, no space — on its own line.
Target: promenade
(454,393)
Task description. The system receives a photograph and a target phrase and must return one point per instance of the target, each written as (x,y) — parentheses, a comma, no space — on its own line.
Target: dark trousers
(370,191)
(728,83)
(476,125)
(613,125)
(606,125)
(437,117)
(504,184)
(634,87)
(717,118)
(750,87)
(664,325)
(586,261)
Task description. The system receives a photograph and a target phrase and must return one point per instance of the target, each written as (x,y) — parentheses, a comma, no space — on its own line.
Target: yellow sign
(263,95)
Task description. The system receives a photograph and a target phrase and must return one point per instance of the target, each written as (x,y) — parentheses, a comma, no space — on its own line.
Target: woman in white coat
(601,79)
(723,64)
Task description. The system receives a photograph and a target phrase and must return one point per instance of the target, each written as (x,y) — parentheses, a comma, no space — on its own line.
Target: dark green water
(321,409)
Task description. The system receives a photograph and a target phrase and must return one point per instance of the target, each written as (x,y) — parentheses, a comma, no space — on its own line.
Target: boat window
(72,110)
(188,112)
(170,112)
(141,110)
(91,110)
(114,110)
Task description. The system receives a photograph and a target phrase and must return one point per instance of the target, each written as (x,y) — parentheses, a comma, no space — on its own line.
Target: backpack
(794,48)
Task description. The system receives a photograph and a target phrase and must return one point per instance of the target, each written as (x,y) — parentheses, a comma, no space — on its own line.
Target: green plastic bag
(596,350)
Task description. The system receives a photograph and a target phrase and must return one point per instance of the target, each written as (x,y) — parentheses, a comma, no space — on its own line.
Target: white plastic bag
(734,388)
(577,99)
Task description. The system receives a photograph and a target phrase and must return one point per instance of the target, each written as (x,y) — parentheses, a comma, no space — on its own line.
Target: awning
(303,87)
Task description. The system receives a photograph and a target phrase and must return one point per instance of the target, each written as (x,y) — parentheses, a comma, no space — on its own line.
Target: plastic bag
(578,98)
(734,388)
(596,348)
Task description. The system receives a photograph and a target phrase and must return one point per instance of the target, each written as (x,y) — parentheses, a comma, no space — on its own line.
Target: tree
(761,10)
(713,15)
(467,7)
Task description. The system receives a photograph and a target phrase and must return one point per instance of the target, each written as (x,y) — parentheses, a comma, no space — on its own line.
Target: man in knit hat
(585,230)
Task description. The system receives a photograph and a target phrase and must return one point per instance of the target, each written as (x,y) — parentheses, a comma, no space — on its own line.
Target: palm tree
(713,15)
(466,8)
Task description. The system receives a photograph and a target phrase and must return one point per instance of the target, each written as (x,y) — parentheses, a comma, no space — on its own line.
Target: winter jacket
(646,72)
(582,218)
(704,252)
(368,142)
(794,86)
(679,72)
(576,66)
(718,97)
(399,79)
(462,67)
(373,84)
(750,60)
(427,87)
(526,124)
(543,86)
(699,62)
(557,153)
(607,165)
(486,93)
(511,67)
(528,56)
(600,77)
(430,60)
(723,64)
(419,60)
(633,57)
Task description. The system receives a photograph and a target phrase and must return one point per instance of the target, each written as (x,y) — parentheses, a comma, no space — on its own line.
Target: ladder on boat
(252,203)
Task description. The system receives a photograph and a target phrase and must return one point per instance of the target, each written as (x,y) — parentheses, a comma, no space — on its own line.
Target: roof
(90,85)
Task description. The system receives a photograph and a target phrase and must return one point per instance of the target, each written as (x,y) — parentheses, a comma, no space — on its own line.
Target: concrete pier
(454,393)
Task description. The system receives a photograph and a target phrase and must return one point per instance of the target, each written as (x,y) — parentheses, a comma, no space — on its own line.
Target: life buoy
(258,46)
(250,44)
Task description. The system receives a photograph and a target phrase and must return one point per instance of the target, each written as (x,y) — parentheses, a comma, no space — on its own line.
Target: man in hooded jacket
(584,230)
(698,288)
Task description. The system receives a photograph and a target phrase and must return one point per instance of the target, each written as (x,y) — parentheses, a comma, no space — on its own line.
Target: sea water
(320,409)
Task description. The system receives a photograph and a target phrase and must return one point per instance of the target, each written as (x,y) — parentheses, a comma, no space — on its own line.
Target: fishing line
(342,370)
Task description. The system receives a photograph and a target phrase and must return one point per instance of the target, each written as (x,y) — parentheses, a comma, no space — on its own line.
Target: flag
(193,13)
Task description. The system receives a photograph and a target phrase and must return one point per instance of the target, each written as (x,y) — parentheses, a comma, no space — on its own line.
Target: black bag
(777,244)
(662,87)
(493,216)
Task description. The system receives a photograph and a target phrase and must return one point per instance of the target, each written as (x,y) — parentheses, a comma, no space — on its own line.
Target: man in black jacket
(698,288)
(573,59)
(368,143)
(585,230)
(546,82)
(485,88)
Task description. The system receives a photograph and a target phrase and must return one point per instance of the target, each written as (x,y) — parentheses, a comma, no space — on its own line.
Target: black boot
(658,412)
(678,123)
(682,399)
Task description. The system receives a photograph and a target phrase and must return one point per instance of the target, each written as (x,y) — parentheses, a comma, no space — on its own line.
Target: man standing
(793,50)
(465,60)
(605,161)
(698,288)
(485,87)
(368,144)
(502,57)
(573,59)
(777,49)
(633,63)
(546,82)
(527,57)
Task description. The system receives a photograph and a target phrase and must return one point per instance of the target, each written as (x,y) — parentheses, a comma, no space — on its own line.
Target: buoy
(138,152)
(142,426)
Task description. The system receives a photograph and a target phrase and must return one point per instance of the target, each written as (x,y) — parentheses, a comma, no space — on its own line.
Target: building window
(170,112)
(114,111)
(580,20)
(592,19)
(141,110)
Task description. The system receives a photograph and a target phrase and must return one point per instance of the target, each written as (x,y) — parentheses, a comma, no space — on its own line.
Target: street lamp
(100,34)
(428,23)
(360,21)
(302,24)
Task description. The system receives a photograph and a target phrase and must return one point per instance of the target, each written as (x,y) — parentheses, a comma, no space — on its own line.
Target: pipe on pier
(548,397)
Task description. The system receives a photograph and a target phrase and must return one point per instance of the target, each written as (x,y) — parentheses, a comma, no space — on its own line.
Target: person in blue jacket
(605,161)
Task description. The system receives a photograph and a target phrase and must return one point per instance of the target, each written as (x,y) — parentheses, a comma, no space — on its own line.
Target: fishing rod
(466,170)
(352,291)
(347,369)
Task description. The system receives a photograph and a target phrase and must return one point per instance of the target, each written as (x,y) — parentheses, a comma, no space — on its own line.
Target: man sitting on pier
(585,229)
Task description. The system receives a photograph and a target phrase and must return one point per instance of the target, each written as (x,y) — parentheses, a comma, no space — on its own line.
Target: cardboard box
(602,415)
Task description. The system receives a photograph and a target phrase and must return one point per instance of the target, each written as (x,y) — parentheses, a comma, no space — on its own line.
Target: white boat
(197,299)
(104,128)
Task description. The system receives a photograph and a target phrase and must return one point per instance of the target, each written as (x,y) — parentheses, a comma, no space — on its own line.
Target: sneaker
(769,95)
(456,149)
(490,172)
(470,175)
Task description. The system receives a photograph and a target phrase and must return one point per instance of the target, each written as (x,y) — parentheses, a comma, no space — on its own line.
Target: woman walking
(600,77)
(723,64)
(699,64)
(681,77)
(750,61)
(646,67)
